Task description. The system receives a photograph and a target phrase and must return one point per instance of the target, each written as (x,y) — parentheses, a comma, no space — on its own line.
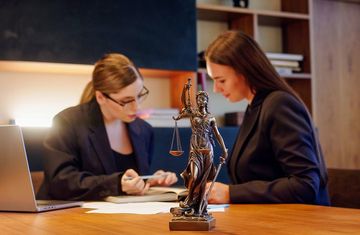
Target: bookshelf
(292,21)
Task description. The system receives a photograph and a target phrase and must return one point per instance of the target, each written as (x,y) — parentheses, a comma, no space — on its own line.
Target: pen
(146,177)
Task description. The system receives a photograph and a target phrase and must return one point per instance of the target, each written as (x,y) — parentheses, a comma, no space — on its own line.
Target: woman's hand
(224,156)
(219,193)
(167,179)
(131,183)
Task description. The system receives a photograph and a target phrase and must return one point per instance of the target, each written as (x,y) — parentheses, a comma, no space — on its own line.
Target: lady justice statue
(192,212)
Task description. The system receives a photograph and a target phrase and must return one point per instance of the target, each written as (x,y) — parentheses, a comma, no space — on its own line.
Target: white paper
(140,208)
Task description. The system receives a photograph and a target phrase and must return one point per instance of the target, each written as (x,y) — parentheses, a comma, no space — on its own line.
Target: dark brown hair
(243,54)
(111,73)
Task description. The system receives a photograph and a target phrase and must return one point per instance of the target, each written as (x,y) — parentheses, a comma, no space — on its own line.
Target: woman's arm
(287,128)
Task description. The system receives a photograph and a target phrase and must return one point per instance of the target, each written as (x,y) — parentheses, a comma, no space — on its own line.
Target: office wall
(336,47)
(154,34)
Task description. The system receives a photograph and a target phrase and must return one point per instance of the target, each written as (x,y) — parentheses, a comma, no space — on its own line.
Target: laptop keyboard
(50,202)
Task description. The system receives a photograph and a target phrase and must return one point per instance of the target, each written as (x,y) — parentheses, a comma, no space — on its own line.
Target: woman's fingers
(168,178)
(145,189)
(219,193)
(171,178)
(131,183)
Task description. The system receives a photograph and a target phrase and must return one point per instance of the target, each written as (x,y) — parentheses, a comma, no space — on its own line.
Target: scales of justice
(192,215)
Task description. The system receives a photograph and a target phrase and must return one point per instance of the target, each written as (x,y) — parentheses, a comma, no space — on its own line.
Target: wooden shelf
(77,69)
(177,78)
(213,12)
(293,21)
(278,20)
(282,14)
(305,76)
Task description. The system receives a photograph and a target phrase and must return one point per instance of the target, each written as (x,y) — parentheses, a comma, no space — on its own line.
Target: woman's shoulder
(281,96)
(73,110)
(77,113)
(279,99)
(282,103)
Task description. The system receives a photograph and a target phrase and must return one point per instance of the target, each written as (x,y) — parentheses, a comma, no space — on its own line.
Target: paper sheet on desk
(140,208)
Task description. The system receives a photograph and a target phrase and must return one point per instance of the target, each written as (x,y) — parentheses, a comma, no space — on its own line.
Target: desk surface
(237,219)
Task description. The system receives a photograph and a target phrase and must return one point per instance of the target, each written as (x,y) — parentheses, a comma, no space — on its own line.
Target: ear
(100,98)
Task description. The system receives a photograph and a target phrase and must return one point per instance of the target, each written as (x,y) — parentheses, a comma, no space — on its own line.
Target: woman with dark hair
(98,148)
(276,157)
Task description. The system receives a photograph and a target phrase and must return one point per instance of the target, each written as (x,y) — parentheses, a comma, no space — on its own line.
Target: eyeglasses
(126,103)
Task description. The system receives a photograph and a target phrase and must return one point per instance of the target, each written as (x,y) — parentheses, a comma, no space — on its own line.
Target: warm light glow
(74,69)
(34,122)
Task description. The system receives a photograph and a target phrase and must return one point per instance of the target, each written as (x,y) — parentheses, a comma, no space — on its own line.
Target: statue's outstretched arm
(183,113)
(185,100)
(220,141)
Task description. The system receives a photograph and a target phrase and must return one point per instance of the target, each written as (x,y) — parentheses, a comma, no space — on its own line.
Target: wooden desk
(237,219)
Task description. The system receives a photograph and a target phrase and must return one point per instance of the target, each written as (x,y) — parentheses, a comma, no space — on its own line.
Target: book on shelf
(284,56)
(283,71)
(285,63)
(155,194)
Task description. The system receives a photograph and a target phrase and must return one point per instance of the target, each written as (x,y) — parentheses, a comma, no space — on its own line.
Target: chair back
(344,187)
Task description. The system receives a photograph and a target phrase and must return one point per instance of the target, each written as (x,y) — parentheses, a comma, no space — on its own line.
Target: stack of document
(145,208)
(284,63)
(155,194)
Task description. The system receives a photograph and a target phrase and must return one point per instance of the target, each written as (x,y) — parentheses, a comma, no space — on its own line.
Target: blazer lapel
(99,139)
(250,119)
(139,148)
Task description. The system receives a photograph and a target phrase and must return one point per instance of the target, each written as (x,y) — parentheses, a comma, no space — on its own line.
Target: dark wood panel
(299,6)
(303,88)
(244,23)
(296,40)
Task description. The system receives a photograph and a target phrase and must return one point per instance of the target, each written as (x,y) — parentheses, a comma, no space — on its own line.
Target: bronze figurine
(192,212)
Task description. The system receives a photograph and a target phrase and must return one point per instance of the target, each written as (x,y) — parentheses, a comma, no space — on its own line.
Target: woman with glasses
(99,148)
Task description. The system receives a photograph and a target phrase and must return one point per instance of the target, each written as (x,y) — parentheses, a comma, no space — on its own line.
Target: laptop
(16,188)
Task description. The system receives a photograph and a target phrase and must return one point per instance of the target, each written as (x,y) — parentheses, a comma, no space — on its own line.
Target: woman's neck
(118,136)
(107,116)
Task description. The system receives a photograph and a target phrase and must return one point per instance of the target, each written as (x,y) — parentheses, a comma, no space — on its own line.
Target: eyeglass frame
(123,104)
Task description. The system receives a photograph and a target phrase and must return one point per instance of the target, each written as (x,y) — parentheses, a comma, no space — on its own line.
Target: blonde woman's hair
(111,73)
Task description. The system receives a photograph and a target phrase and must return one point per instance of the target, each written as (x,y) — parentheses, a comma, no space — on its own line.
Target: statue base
(192,223)
(183,222)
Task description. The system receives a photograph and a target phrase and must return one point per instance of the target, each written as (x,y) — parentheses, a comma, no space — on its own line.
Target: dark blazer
(274,159)
(79,162)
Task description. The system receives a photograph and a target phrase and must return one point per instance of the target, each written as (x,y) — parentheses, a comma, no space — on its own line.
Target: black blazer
(274,159)
(79,163)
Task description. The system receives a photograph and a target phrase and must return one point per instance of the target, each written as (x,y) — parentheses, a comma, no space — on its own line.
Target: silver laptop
(16,189)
